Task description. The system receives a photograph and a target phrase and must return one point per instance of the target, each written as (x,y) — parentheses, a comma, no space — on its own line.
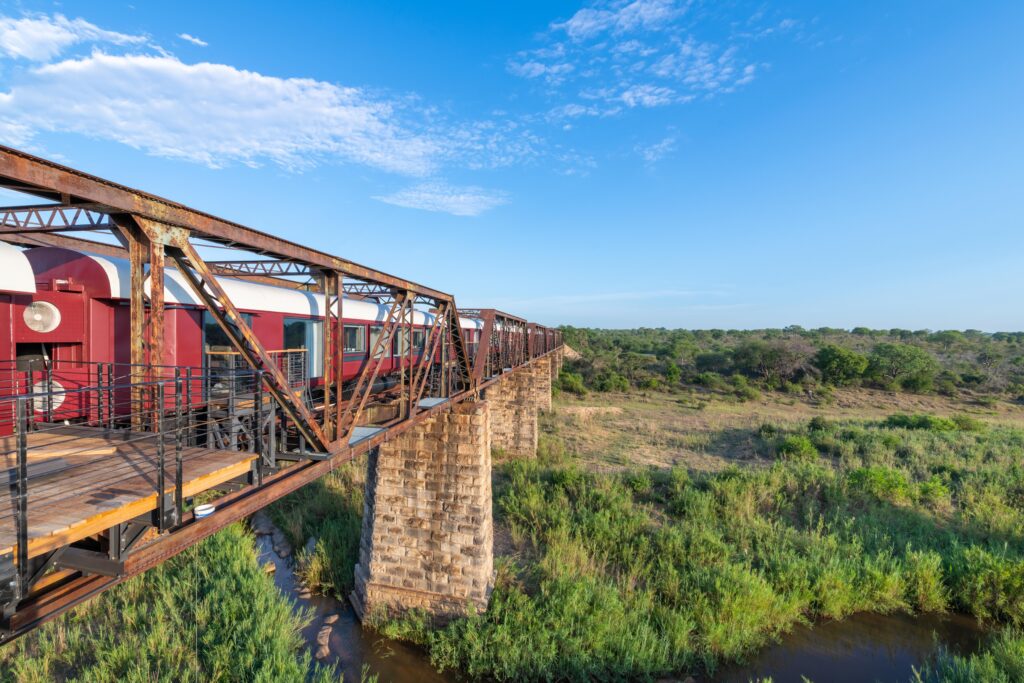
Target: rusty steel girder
(24,172)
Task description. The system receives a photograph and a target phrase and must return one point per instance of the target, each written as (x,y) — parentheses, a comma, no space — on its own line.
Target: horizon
(834,165)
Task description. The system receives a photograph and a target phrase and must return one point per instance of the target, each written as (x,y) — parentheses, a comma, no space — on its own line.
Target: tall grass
(210,614)
(329,510)
(655,572)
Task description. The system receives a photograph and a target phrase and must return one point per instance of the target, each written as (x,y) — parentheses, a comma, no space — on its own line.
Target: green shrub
(926,589)
(881,483)
(934,492)
(796,447)
(1001,661)
(990,585)
(929,422)
(965,423)
(571,382)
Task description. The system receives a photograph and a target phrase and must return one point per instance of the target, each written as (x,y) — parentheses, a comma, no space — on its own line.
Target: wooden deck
(84,480)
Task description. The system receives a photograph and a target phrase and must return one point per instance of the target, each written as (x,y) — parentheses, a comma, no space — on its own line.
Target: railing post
(21,508)
(178,497)
(190,408)
(272,434)
(49,391)
(110,395)
(161,486)
(258,426)
(232,437)
(99,394)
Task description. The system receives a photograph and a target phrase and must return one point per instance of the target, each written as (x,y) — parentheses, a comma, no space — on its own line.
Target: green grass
(1001,662)
(209,614)
(660,572)
(331,511)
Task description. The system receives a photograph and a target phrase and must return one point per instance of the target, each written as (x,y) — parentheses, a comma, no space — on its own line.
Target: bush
(881,483)
(928,422)
(612,381)
(571,382)
(903,366)
(742,389)
(839,365)
(1002,661)
(965,423)
(711,380)
(796,447)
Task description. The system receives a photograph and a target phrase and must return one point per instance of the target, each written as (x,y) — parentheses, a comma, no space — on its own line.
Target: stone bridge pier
(428,529)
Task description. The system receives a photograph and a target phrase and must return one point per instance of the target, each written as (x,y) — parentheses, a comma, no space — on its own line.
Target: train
(68,309)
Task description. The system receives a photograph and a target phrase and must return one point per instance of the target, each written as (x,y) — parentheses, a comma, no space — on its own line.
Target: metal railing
(158,425)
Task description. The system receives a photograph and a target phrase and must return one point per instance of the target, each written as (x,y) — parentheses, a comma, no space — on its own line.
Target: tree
(838,365)
(672,373)
(773,362)
(903,365)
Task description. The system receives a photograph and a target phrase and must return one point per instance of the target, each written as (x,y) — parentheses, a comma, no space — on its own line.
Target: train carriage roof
(247,296)
(16,275)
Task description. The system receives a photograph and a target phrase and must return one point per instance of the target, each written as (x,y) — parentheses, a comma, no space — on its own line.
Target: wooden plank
(78,529)
(51,489)
(106,469)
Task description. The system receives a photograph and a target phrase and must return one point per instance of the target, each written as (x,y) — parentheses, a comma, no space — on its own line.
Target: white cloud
(213,114)
(654,153)
(192,39)
(439,196)
(639,54)
(640,14)
(647,96)
(40,38)
(552,73)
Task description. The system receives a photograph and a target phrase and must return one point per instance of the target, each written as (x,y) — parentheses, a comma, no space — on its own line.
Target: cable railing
(129,438)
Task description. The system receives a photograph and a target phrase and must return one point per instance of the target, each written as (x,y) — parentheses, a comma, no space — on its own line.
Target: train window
(400,343)
(375,332)
(419,340)
(214,338)
(355,339)
(302,333)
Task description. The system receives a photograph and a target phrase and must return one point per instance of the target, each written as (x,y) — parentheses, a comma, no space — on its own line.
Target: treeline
(795,359)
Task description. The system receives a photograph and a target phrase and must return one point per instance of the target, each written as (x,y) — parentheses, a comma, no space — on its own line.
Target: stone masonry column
(428,538)
(543,370)
(514,413)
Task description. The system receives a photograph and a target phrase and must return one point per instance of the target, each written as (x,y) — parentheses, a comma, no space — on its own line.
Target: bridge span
(151,395)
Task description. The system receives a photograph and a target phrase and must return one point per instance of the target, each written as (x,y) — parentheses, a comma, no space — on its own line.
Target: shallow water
(350,646)
(863,647)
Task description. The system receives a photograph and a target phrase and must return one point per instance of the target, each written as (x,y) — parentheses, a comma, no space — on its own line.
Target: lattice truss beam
(155,233)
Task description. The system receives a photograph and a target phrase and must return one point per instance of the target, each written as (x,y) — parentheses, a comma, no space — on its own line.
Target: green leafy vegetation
(655,572)
(210,614)
(798,360)
(1001,662)
(329,510)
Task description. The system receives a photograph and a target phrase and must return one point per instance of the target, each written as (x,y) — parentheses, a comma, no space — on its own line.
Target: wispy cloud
(126,89)
(617,55)
(192,39)
(620,17)
(439,196)
(39,37)
(656,152)
(213,114)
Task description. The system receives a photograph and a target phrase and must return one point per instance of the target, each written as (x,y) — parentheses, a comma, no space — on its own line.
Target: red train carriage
(64,317)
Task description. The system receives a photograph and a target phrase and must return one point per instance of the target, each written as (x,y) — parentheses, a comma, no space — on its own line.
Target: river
(863,647)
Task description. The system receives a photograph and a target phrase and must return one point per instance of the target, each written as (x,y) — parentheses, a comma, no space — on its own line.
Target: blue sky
(623,163)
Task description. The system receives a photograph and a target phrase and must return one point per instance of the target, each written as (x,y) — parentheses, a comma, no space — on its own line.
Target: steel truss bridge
(288,438)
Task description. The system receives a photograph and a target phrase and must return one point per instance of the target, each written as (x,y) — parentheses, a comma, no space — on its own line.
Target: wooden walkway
(84,480)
